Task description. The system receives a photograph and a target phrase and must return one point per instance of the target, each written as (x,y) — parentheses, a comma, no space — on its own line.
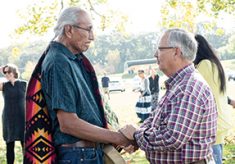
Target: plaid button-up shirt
(182,128)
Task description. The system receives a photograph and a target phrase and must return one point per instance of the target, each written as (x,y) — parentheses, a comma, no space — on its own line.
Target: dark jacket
(154,84)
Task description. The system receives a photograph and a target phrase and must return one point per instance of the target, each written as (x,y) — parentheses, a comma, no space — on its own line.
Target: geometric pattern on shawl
(39,148)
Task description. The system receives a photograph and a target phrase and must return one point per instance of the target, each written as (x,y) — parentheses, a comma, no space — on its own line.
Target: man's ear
(178,51)
(68,31)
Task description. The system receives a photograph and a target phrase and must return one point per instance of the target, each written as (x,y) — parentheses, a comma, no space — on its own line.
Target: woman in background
(13,116)
(143,105)
(210,67)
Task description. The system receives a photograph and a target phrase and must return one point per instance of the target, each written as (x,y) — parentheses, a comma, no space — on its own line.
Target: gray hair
(68,17)
(184,40)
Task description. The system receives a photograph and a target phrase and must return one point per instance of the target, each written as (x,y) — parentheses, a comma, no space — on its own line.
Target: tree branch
(93,9)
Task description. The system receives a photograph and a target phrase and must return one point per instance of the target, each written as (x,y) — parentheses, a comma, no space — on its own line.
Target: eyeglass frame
(82,28)
(165,48)
(162,48)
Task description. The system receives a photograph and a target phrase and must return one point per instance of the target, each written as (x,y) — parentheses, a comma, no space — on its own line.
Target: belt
(82,143)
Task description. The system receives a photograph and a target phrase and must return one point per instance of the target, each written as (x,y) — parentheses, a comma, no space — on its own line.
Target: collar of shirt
(66,51)
(79,56)
(178,76)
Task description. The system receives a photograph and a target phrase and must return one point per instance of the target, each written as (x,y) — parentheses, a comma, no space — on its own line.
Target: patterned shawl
(39,148)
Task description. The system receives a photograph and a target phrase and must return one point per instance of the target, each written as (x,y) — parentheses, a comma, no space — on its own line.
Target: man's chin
(85,48)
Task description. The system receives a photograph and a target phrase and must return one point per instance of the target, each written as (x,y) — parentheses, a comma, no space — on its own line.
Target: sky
(137,13)
(9,19)
(144,15)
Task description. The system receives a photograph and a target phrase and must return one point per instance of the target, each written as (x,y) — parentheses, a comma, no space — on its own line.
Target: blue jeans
(79,155)
(218,153)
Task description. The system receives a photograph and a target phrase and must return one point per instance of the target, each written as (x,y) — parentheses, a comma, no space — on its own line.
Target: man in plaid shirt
(182,128)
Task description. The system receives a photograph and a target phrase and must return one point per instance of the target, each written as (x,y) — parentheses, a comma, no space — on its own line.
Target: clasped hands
(128,131)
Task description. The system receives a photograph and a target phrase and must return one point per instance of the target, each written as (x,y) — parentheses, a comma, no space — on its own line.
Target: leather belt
(81,143)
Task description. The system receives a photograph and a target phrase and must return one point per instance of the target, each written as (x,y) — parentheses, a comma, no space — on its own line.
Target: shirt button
(83,150)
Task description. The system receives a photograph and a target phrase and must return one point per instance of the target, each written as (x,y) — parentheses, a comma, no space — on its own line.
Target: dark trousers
(10,154)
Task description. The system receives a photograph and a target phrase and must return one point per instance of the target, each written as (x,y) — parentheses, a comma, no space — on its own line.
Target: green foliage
(110,52)
(183,13)
(40,16)
(214,7)
(136,158)
(229,154)
(123,48)
(179,14)
(228,50)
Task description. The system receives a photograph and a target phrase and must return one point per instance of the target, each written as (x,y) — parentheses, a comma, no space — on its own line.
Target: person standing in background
(105,84)
(154,88)
(210,67)
(143,105)
(13,116)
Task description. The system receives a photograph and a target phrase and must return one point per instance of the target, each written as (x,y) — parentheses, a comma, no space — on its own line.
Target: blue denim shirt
(67,86)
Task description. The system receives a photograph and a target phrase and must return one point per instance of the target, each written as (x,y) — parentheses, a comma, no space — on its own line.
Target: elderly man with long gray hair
(70,87)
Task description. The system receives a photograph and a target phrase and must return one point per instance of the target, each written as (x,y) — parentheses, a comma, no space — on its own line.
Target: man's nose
(91,35)
(156,54)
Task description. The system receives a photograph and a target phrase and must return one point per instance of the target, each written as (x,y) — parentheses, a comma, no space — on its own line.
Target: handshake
(128,142)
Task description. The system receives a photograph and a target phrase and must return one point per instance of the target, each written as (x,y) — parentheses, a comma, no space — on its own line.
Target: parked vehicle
(231,76)
(136,82)
(116,85)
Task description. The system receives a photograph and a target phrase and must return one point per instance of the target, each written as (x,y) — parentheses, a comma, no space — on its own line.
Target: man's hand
(128,131)
(132,147)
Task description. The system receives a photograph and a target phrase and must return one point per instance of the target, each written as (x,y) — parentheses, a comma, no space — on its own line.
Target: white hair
(184,40)
(69,16)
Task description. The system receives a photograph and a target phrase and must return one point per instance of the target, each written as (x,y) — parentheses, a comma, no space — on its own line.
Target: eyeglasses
(89,30)
(165,48)
(162,48)
(6,72)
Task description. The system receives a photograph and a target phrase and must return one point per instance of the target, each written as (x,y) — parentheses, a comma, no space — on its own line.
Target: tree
(113,60)
(228,51)
(41,15)
(183,13)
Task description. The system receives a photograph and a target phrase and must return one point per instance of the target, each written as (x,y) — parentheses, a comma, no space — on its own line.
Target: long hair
(205,51)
